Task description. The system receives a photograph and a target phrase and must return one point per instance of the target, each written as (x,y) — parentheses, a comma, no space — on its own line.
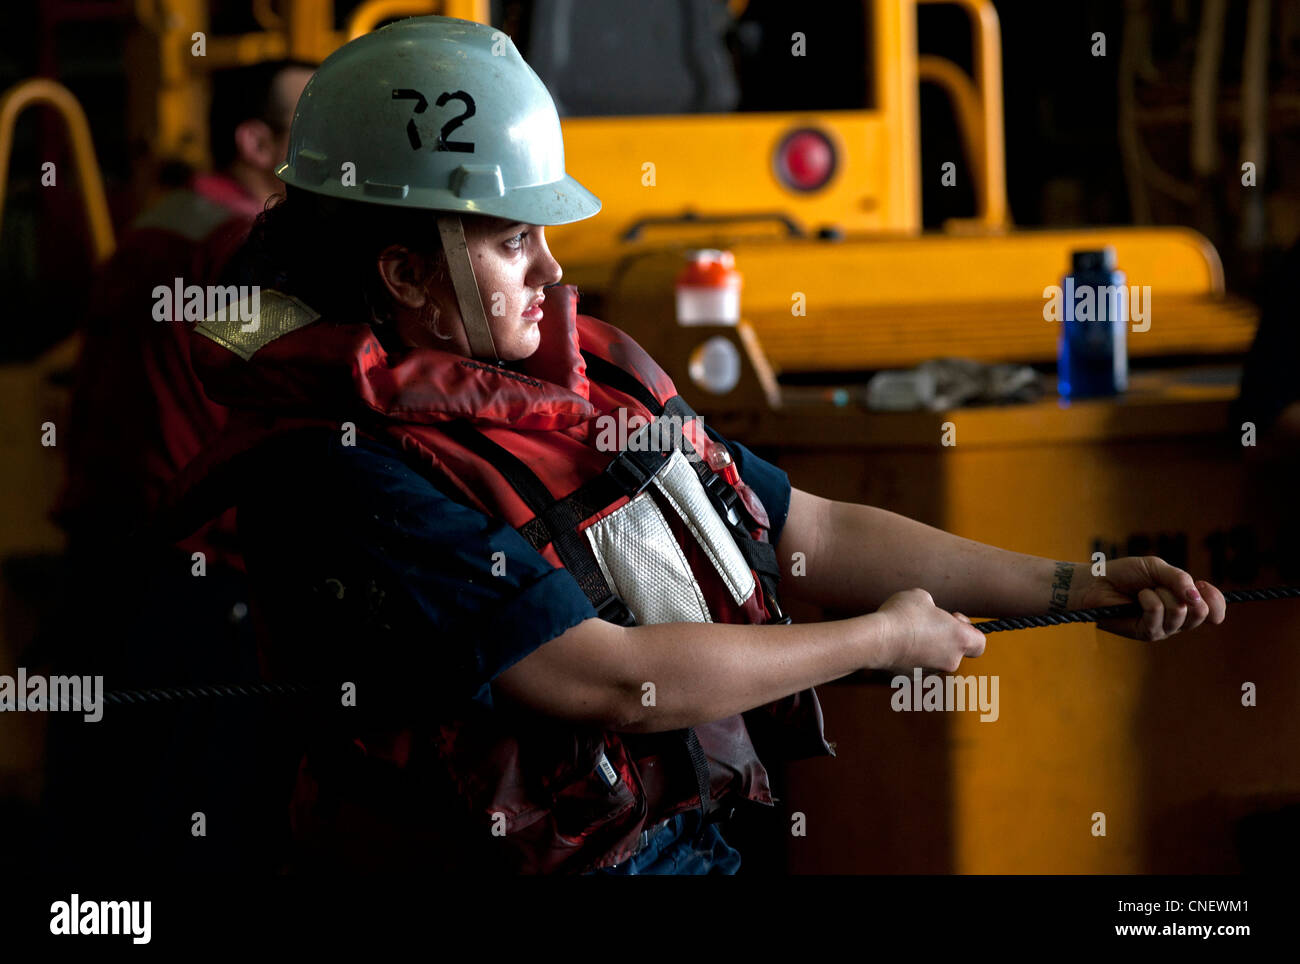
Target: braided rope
(174,694)
(1125,609)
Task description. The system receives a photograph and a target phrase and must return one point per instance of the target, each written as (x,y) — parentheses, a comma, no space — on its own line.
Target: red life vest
(529,445)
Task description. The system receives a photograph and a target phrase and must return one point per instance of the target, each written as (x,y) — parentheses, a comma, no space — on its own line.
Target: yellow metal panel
(31,474)
(874,303)
(723,163)
(176,126)
(937,268)
(719,164)
(894,30)
(869,337)
(1082,710)
(1153,735)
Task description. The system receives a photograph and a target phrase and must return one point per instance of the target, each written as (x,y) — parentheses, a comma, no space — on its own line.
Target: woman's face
(512,265)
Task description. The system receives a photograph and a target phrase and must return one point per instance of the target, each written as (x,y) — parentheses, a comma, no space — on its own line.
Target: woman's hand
(922,634)
(1171,600)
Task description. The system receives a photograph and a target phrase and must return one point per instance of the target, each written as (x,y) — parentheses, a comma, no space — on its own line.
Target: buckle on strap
(645,456)
(724,497)
(614,610)
(628,475)
(633,471)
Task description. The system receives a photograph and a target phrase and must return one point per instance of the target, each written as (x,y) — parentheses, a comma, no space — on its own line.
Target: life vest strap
(572,549)
(607,373)
(761,556)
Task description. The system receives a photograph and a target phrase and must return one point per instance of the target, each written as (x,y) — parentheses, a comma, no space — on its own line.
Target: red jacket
(521,445)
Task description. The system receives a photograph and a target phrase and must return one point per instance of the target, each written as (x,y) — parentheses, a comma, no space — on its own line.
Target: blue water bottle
(1092,360)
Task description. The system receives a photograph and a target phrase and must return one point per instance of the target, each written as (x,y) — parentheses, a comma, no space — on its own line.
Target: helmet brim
(558,202)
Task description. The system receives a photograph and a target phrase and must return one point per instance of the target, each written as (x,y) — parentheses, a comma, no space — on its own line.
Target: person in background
(139,413)
(148,614)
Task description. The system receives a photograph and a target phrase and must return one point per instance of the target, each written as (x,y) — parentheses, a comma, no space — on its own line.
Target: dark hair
(323,250)
(246,93)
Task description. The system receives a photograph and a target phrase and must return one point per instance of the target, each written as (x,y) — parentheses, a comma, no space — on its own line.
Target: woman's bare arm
(855,556)
(647,679)
(674,675)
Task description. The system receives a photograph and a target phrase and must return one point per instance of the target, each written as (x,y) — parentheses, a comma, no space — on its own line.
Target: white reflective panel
(644,565)
(684,491)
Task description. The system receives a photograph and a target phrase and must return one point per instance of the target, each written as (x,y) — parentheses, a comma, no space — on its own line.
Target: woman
(550,656)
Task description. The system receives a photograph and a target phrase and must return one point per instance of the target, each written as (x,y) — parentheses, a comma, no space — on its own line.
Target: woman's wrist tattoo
(1061,580)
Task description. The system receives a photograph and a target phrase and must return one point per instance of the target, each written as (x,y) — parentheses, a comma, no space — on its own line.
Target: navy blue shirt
(370,568)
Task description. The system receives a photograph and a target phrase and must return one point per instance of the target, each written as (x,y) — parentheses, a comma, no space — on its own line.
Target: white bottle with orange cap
(708,289)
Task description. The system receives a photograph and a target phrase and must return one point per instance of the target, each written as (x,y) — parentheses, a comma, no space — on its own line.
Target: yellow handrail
(40,90)
(266,16)
(978,108)
(965,99)
(374,12)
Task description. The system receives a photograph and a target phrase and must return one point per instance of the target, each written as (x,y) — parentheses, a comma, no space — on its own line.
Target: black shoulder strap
(607,373)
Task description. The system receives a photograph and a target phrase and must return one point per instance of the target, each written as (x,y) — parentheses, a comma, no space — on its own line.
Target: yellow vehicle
(821,208)
(819,200)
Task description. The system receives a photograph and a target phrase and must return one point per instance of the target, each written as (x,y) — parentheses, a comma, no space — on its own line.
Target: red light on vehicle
(805,160)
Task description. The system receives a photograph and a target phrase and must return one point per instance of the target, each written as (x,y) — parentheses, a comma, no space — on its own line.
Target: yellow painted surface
(31,476)
(31,473)
(867,304)
(1153,735)
(722,164)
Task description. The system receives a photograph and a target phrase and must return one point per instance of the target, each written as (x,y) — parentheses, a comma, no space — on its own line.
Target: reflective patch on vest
(645,566)
(685,493)
(277,314)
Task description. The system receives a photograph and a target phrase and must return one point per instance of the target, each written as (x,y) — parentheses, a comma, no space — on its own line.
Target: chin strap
(477,332)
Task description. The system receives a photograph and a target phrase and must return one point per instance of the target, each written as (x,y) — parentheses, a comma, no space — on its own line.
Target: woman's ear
(403,273)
